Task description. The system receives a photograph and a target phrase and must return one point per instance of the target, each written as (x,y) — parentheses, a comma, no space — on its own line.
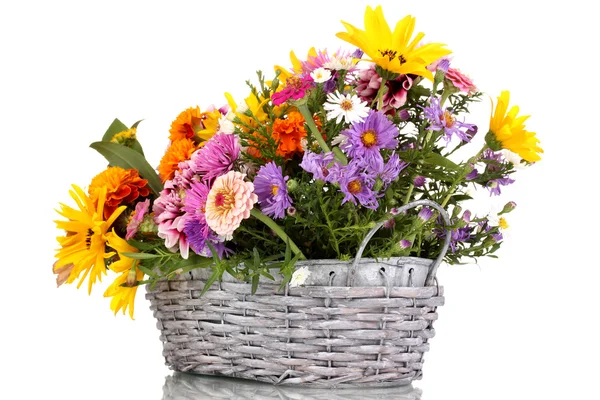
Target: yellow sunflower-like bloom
(84,245)
(124,287)
(394,52)
(508,130)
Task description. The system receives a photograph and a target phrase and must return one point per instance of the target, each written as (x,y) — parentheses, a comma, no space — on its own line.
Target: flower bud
(389,224)
(291,211)
(419,181)
(508,207)
(131,277)
(292,185)
(405,244)
(425,214)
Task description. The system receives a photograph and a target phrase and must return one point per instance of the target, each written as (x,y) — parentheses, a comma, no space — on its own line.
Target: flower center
(346,105)
(369,138)
(355,186)
(294,82)
(448,119)
(274,190)
(224,199)
(502,223)
(392,54)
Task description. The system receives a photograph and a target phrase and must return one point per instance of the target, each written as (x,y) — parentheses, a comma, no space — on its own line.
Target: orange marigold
(123,186)
(289,132)
(186,124)
(179,150)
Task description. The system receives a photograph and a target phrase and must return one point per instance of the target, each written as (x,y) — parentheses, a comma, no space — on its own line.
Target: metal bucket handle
(438,260)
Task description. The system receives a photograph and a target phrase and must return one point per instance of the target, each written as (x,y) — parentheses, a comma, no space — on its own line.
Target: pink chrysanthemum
(295,89)
(217,156)
(229,202)
(137,217)
(461,81)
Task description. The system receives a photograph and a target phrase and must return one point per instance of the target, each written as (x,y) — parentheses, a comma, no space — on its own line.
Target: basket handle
(437,262)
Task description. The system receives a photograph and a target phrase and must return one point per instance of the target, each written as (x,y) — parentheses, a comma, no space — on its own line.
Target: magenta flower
(137,217)
(217,156)
(366,139)
(368,83)
(444,120)
(295,88)
(271,189)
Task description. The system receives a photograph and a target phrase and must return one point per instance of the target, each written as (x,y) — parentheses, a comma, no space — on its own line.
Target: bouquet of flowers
(303,168)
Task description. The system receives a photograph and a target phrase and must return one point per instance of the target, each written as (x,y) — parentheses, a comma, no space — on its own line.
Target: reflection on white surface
(180,386)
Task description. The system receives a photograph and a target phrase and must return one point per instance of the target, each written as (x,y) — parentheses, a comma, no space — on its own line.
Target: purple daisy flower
(367,138)
(495,184)
(317,164)
(355,186)
(271,189)
(443,120)
(217,156)
(375,168)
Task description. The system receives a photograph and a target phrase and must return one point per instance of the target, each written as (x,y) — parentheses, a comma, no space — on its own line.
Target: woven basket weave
(373,331)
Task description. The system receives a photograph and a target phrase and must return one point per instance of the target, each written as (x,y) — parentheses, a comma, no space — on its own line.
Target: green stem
(460,178)
(409,193)
(380,92)
(335,241)
(315,132)
(278,230)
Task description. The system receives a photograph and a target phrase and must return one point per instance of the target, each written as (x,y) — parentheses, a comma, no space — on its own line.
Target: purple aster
(317,164)
(271,189)
(375,168)
(367,138)
(457,235)
(217,156)
(473,174)
(137,217)
(495,184)
(355,187)
(443,120)
(195,227)
(358,53)
(443,65)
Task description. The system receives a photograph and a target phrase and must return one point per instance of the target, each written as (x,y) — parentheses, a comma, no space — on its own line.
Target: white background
(520,327)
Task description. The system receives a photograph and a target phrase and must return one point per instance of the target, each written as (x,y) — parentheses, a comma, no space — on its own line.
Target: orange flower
(289,132)
(179,150)
(186,124)
(123,186)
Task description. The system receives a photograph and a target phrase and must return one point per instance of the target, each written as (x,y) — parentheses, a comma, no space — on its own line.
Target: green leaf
(147,271)
(127,158)
(140,256)
(215,275)
(440,161)
(114,128)
(255,279)
(135,125)
(141,245)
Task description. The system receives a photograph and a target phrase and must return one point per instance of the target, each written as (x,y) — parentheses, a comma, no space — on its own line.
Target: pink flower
(295,88)
(368,84)
(461,81)
(170,216)
(229,202)
(216,157)
(137,217)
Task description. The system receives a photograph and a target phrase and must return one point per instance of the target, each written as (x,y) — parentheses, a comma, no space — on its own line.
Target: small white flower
(320,75)
(242,108)
(513,158)
(339,140)
(299,276)
(349,107)
(225,125)
(339,63)
(304,144)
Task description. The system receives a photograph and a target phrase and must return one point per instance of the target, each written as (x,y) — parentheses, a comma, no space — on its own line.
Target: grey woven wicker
(360,324)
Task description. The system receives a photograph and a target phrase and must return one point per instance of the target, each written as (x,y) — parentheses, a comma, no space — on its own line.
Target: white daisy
(299,276)
(320,75)
(337,63)
(349,107)
(513,158)
(225,125)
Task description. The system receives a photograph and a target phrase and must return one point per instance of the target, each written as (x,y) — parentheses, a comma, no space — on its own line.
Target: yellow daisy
(394,52)
(84,244)
(124,287)
(509,132)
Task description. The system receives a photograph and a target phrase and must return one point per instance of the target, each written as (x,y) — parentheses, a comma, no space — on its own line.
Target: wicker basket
(372,331)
